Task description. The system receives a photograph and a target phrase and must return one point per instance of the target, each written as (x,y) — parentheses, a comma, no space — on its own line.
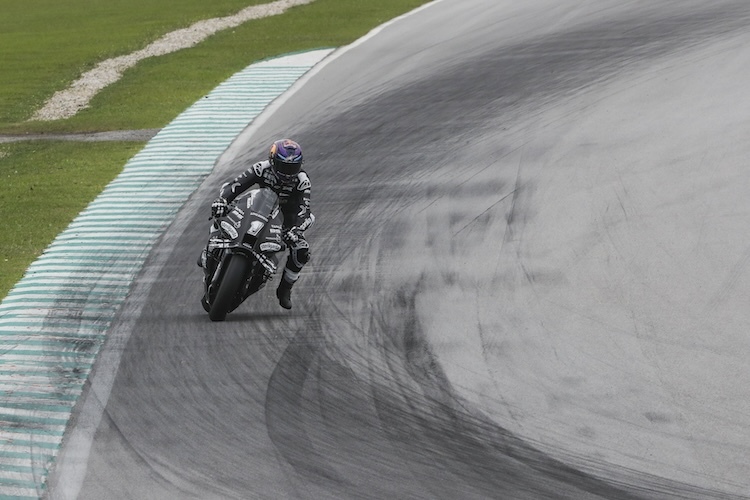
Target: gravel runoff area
(66,103)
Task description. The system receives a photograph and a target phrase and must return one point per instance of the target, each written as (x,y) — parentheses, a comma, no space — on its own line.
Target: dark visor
(287,168)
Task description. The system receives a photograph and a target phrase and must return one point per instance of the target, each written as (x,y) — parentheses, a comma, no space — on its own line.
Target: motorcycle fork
(213,270)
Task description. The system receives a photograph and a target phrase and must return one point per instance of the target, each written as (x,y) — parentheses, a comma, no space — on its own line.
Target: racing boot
(284,293)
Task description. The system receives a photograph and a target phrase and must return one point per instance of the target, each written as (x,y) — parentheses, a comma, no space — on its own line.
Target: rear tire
(234,276)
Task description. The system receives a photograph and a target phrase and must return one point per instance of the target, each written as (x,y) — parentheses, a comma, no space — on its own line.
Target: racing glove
(291,236)
(219,208)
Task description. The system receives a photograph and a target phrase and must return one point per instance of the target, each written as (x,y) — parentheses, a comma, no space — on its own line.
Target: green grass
(45,185)
(46,44)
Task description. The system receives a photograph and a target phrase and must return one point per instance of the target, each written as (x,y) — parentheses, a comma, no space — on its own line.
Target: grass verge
(45,185)
(47,45)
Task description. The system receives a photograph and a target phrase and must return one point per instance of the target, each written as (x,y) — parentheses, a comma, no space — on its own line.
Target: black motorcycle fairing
(252,228)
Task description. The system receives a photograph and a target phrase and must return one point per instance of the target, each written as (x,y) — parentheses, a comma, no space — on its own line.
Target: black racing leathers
(294,199)
(295,205)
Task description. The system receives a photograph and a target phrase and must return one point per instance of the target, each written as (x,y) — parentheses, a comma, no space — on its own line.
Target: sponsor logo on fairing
(219,243)
(269,246)
(227,227)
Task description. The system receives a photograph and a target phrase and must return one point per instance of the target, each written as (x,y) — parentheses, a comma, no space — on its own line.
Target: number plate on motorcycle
(255,227)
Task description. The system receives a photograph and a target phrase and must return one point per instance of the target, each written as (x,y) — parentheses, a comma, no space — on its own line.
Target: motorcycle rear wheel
(234,277)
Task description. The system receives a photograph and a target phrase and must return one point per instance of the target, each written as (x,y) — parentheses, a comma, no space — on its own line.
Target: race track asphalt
(489,177)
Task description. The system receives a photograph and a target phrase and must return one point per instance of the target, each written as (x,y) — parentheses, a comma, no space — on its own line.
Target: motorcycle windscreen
(262,202)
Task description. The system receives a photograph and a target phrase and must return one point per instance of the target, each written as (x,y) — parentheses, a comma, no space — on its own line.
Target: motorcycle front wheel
(234,277)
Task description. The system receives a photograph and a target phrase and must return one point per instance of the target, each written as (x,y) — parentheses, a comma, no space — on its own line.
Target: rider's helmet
(286,160)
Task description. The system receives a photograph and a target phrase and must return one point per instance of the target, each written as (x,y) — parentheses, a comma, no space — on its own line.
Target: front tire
(234,277)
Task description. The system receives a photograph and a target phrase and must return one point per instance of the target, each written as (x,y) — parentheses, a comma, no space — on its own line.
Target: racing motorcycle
(243,252)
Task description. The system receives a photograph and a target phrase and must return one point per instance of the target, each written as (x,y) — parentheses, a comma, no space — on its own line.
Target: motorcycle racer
(283,173)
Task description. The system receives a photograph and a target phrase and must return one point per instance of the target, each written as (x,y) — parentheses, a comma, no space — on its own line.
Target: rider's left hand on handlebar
(219,207)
